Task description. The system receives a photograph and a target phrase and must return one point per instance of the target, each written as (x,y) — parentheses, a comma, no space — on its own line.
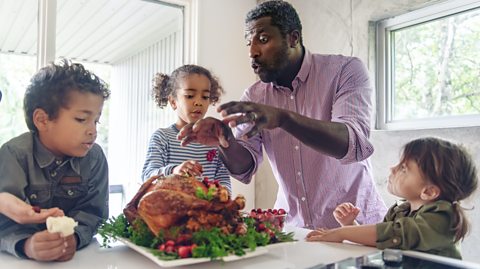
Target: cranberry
(36,209)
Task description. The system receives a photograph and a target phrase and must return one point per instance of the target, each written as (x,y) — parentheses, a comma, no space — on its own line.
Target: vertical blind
(133,114)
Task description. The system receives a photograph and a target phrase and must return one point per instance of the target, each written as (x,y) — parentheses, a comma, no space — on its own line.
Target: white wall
(221,48)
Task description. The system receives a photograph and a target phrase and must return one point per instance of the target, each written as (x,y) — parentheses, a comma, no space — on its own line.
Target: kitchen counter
(299,254)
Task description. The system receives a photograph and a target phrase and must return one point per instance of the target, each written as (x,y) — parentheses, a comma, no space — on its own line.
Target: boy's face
(74,131)
(192,100)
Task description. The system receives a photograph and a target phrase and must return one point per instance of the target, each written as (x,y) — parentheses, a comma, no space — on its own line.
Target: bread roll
(63,225)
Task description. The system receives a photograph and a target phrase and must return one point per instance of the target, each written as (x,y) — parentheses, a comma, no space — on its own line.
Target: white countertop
(300,254)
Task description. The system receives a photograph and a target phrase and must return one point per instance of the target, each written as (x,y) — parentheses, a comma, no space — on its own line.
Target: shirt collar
(304,71)
(306,66)
(45,158)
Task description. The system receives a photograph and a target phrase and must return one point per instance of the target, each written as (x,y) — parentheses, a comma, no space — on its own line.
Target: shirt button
(299,173)
(303,199)
(70,192)
(53,174)
(296,147)
(33,196)
(395,240)
(58,162)
(291,97)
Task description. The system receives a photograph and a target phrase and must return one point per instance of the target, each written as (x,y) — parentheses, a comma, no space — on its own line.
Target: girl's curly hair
(165,86)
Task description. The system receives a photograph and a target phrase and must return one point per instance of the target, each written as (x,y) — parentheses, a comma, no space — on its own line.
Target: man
(310,112)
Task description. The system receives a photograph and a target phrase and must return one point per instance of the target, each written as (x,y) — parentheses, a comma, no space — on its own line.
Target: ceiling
(103,31)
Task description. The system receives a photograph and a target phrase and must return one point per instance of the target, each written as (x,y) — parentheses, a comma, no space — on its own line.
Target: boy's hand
(23,213)
(346,213)
(71,248)
(190,167)
(323,234)
(45,246)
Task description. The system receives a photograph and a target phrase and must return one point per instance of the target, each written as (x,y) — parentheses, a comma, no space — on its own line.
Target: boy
(57,163)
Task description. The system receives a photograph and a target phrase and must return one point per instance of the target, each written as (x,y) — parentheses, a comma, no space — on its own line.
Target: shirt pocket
(39,195)
(67,195)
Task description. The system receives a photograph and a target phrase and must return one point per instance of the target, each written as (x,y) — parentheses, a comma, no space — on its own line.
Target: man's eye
(206,97)
(263,39)
(80,119)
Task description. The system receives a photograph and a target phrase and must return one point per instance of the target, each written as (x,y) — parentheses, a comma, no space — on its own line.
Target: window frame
(384,65)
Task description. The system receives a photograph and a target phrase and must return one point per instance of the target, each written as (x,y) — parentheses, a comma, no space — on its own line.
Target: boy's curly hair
(50,86)
(165,86)
(283,15)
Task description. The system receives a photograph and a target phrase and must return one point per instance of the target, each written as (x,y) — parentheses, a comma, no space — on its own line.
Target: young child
(433,176)
(190,90)
(57,163)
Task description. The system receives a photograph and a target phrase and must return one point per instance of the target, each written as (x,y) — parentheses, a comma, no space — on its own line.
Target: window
(428,67)
(123,42)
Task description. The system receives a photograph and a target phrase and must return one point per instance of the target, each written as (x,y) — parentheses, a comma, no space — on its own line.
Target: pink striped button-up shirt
(311,184)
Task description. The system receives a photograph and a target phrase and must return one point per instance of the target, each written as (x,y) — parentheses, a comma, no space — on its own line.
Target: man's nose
(253,52)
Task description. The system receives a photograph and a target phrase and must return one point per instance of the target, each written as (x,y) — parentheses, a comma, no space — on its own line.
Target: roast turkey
(187,204)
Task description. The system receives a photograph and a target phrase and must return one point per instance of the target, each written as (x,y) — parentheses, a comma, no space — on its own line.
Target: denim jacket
(78,186)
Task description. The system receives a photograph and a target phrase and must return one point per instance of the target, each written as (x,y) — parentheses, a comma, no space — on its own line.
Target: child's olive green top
(428,229)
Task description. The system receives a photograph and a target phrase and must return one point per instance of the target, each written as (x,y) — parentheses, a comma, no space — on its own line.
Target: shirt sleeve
(11,232)
(353,107)
(253,145)
(92,209)
(156,160)
(423,232)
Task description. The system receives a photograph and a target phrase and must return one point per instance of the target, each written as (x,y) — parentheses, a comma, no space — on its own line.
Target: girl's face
(192,99)
(406,181)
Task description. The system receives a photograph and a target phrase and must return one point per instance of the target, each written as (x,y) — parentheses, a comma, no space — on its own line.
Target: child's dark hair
(283,15)
(164,85)
(50,87)
(451,168)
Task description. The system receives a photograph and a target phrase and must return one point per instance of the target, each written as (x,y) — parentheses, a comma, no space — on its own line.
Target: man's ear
(173,102)
(430,192)
(293,39)
(40,119)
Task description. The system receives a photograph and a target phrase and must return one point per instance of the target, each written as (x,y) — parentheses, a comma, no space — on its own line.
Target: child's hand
(71,242)
(23,213)
(324,234)
(346,213)
(190,167)
(45,246)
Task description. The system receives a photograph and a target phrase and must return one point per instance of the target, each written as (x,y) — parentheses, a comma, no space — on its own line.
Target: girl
(433,176)
(189,90)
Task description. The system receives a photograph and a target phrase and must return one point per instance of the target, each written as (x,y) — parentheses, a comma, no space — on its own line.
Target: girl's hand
(346,213)
(23,213)
(324,234)
(190,167)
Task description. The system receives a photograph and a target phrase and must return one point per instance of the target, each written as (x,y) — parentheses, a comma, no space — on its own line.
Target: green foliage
(212,243)
(436,68)
(206,196)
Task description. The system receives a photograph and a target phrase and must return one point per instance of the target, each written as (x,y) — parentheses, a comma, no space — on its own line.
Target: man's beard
(272,72)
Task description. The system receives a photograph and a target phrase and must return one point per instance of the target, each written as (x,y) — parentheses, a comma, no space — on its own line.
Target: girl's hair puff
(450,167)
(165,85)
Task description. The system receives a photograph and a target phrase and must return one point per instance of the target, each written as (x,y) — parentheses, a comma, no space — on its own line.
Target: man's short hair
(282,15)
